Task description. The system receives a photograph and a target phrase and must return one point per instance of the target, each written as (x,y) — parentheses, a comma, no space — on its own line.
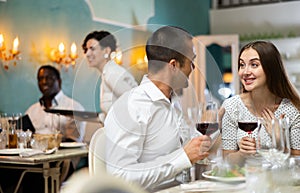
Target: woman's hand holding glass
(247,146)
(247,123)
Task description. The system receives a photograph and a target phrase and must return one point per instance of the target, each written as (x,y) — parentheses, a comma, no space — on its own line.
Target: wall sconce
(142,63)
(13,53)
(60,57)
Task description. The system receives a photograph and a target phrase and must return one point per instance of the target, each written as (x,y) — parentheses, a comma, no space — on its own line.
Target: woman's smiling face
(251,72)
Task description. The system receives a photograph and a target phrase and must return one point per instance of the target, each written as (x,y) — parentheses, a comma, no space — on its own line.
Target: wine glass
(208,123)
(17,117)
(285,141)
(193,116)
(247,123)
(274,146)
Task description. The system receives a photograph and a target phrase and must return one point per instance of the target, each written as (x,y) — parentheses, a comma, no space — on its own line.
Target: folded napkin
(33,152)
(211,186)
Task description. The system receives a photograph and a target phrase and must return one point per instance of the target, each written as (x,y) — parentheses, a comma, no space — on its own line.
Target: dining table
(46,164)
(205,182)
(206,185)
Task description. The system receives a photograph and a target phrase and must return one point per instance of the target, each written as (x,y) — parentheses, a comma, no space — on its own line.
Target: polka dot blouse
(231,134)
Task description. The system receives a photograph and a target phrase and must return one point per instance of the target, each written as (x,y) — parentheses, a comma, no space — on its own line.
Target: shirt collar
(152,91)
(55,100)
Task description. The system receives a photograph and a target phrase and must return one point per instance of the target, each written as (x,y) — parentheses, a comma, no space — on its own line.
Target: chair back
(97,152)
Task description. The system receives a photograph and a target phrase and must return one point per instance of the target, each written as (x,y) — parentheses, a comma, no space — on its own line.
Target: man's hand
(197,148)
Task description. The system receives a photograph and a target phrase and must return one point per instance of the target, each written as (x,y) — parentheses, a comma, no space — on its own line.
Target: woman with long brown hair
(267,93)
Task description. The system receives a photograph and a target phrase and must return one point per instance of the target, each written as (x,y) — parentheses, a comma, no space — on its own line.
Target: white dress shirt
(115,81)
(143,137)
(43,122)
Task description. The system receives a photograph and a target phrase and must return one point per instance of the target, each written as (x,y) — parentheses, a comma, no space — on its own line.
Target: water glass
(274,147)
(23,138)
(18,120)
(258,178)
(3,140)
(294,167)
(40,143)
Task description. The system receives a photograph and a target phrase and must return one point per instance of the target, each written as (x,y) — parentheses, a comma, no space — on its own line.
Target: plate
(72,144)
(208,175)
(13,151)
(211,186)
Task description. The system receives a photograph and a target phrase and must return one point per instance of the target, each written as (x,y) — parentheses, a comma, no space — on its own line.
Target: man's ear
(172,64)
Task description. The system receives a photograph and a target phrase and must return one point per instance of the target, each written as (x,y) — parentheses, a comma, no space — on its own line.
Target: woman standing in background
(98,46)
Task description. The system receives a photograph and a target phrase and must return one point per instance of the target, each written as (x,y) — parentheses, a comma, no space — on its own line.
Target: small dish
(208,175)
(72,144)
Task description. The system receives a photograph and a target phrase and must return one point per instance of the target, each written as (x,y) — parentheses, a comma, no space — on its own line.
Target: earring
(106,56)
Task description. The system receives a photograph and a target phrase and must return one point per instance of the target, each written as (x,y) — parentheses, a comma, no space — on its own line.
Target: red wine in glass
(207,128)
(248,127)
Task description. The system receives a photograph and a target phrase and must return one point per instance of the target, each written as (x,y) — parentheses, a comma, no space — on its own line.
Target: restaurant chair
(97,152)
(90,129)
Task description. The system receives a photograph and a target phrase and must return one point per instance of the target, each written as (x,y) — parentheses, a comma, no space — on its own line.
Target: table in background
(48,165)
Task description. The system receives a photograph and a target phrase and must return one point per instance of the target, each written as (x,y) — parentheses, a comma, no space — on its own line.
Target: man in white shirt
(49,83)
(143,127)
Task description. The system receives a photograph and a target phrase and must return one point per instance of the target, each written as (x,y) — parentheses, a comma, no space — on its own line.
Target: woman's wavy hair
(276,76)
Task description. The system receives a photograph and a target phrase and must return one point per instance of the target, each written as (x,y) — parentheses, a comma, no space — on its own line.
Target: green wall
(43,24)
(192,15)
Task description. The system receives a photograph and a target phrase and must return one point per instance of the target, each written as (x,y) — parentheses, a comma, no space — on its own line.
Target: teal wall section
(43,24)
(192,15)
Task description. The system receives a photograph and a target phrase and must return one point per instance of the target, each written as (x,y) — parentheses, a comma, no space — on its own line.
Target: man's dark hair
(165,44)
(52,68)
